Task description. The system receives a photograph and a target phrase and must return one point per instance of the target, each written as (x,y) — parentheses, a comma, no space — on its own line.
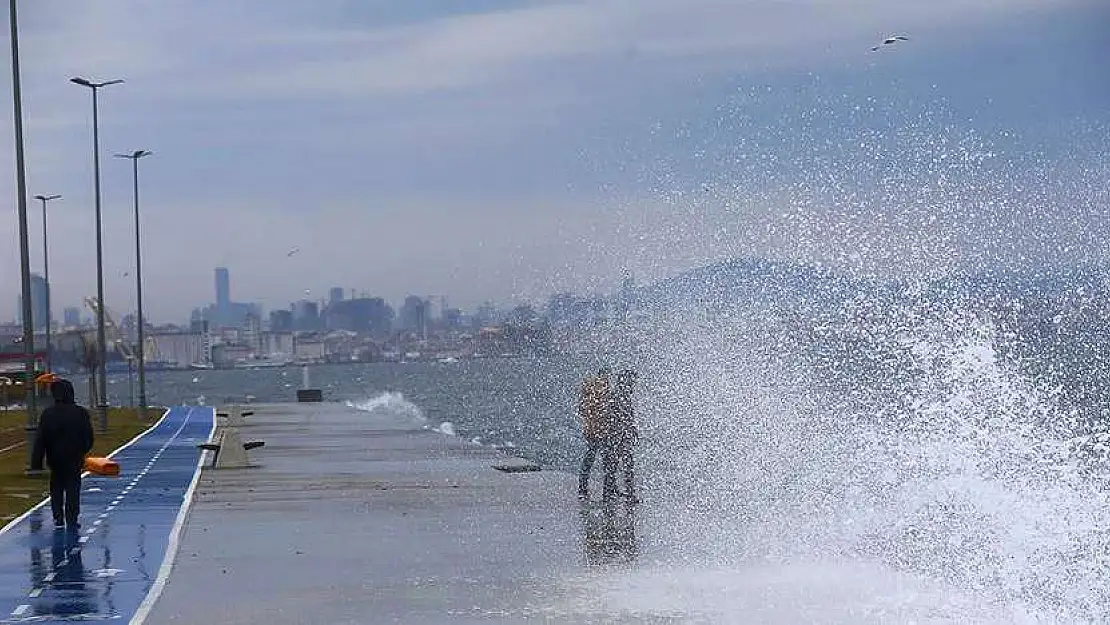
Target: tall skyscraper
(225,313)
(335,294)
(39,293)
(223,289)
(38,303)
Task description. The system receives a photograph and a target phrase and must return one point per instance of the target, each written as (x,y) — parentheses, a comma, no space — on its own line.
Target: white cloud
(265,49)
(531,44)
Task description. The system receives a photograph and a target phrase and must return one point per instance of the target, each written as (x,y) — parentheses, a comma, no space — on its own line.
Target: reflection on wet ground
(66,576)
(609,532)
(102,570)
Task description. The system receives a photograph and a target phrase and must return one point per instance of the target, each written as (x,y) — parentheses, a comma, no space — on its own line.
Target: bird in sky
(293,251)
(891,40)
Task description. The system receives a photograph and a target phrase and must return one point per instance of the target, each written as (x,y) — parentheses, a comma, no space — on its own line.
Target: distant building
(197,323)
(364,314)
(306,315)
(335,294)
(183,348)
(251,334)
(224,312)
(452,318)
(414,314)
(71,316)
(485,315)
(39,295)
(309,349)
(277,344)
(230,354)
(223,289)
(281,321)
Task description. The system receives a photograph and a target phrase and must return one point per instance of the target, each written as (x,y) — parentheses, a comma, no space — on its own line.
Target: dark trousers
(625,460)
(608,465)
(65,496)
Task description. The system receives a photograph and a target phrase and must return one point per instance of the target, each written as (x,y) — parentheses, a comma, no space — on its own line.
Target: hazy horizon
(507,150)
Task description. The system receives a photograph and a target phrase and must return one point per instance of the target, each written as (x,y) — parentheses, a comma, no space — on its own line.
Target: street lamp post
(102,383)
(134,157)
(29,386)
(46,271)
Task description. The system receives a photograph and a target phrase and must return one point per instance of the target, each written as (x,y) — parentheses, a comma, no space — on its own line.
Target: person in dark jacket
(625,434)
(64,439)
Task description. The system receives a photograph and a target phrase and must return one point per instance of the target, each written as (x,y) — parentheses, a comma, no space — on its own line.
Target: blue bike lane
(106,569)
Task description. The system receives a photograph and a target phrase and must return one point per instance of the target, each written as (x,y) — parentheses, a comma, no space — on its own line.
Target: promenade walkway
(355,518)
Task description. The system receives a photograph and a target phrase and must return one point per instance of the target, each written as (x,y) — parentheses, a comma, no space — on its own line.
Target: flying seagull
(890,40)
(293,251)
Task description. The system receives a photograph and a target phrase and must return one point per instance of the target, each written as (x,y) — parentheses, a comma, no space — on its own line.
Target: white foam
(965,488)
(391,404)
(780,593)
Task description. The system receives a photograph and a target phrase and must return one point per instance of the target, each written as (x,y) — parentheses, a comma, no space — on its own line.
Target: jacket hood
(62,391)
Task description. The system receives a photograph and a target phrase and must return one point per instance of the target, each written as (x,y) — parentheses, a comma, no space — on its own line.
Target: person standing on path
(596,414)
(64,438)
(625,434)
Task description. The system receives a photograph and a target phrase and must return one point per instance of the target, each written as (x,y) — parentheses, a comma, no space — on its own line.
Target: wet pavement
(104,570)
(356,517)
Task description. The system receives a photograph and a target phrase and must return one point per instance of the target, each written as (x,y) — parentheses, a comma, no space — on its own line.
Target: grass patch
(18,492)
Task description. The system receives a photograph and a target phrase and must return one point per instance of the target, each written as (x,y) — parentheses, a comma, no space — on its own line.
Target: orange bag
(102,466)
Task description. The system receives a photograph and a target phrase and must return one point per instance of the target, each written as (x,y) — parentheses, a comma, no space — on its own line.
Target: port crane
(115,338)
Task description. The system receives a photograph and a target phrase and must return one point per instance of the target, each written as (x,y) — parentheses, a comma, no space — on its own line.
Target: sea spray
(392,404)
(783,484)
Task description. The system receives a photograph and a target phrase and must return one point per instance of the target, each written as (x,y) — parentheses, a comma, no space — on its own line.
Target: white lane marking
(21,610)
(49,577)
(34,594)
(144,609)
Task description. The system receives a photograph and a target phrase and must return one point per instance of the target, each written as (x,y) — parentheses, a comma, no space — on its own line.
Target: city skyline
(508,150)
(224,310)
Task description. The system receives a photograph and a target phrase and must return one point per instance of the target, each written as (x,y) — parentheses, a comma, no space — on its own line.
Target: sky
(497,150)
